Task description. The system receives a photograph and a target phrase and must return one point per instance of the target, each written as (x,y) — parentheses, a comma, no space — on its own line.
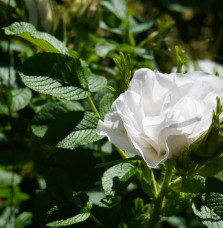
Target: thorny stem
(157,208)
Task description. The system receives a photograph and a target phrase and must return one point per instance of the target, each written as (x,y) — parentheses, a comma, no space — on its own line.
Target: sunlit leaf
(40,39)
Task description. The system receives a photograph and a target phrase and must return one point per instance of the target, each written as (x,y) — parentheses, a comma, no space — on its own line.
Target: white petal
(112,127)
(216,83)
(175,144)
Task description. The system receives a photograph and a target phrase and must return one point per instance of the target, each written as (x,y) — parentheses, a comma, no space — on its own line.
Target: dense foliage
(59,77)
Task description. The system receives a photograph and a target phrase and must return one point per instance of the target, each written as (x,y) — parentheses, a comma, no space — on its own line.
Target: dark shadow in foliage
(62,126)
(109,206)
(214,185)
(119,186)
(49,209)
(198,202)
(78,167)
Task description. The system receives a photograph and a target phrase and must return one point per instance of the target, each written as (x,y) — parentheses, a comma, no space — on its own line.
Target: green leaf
(215,202)
(40,39)
(117,178)
(50,112)
(103,48)
(118,31)
(6,178)
(60,76)
(82,200)
(18,196)
(62,126)
(67,222)
(54,74)
(138,28)
(196,185)
(117,7)
(209,211)
(105,104)
(175,203)
(145,174)
(5,79)
(212,168)
(137,215)
(82,130)
(6,2)
(95,82)
(20,99)
(23,220)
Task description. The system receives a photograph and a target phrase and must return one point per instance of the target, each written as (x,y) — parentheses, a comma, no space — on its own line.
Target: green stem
(148,39)
(121,152)
(157,207)
(118,162)
(96,220)
(175,182)
(154,182)
(179,68)
(94,109)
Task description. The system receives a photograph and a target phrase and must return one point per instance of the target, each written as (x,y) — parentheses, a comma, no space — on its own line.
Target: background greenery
(47,169)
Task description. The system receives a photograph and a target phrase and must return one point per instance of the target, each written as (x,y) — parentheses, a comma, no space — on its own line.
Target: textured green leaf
(41,39)
(82,200)
(54,74)
(83,133)
(67,222)
(209,210)
(94,82)
(117,178)
(61,125)
(50,112)
(105,104)
(20,99)
(215,202)
(60,76)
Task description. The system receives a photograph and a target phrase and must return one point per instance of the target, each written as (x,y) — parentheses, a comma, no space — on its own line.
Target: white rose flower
(159,114)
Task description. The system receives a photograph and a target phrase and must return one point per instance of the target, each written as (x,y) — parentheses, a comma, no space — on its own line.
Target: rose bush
(159,114)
